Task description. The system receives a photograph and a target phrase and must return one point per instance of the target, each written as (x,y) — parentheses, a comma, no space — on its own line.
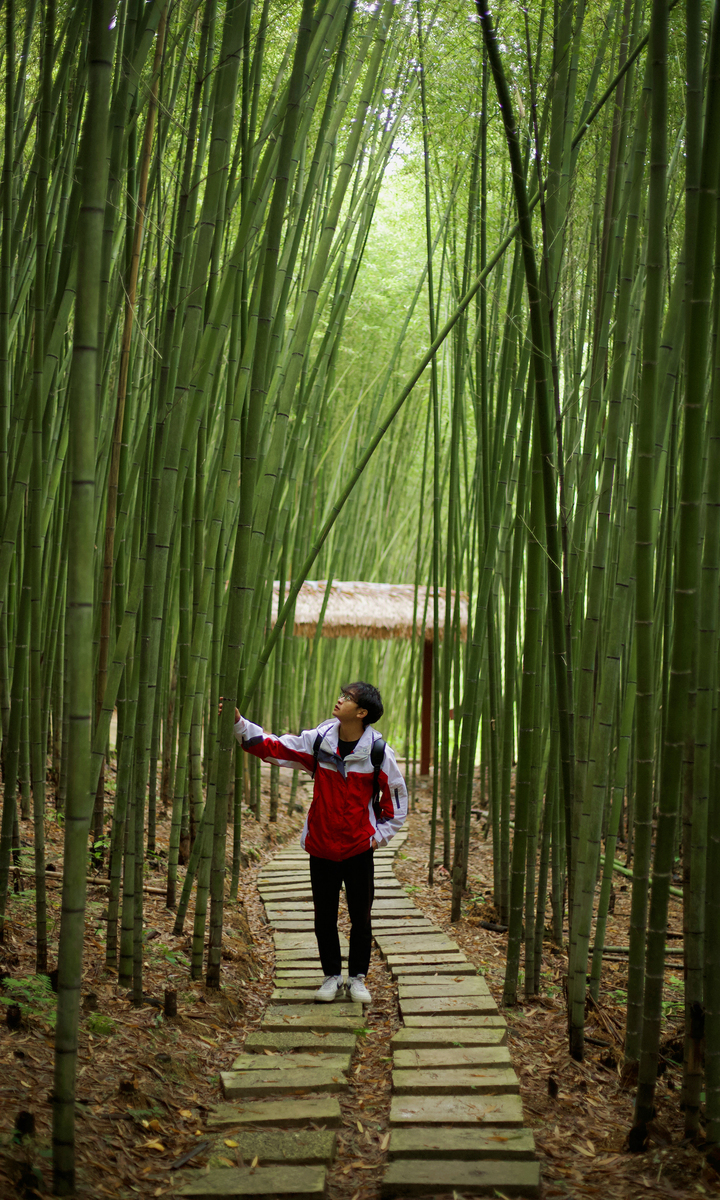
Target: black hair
(366,696)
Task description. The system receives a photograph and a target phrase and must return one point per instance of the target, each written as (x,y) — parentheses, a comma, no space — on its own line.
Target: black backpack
(377,754)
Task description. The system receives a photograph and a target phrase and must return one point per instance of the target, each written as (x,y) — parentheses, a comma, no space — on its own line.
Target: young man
(341,829)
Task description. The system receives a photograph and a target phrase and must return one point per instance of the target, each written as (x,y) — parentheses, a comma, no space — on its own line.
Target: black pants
(358,875)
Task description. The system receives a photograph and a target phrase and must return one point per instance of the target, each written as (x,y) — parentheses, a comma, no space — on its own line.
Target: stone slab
(383,928)
(289,1114)
(399,905)
(410,1177)
(291,1182)
(461,1143)
(283,890)
(322,1017)
(240,1085)
(295,906)
(441,1058)
(304,954)
(273,876)
(286,893)
(460,1022)
(296,968)
(474,985)
(292,1062)
(306,980)
(302,941)
(403,922)
(474,1110)
(417,1039)
(415,943)
(457,1005)
(400,959)
(290,1145)
(298,1039)
(409,971)
(458,1081)
(297,995)
(287,925)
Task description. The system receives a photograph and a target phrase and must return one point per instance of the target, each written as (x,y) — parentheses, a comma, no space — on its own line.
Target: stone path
(456,1119)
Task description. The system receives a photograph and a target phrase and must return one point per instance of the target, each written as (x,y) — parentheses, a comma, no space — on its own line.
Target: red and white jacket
(340,821)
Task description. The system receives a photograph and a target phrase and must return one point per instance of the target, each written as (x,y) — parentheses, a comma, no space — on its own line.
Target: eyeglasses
(346,696)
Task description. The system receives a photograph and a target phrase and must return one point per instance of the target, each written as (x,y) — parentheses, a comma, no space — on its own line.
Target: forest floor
(146,1083)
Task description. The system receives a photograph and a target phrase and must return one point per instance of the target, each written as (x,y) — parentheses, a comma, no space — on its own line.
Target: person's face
(347,709)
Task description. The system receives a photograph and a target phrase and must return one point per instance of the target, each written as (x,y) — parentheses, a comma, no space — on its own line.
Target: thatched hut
(381,611)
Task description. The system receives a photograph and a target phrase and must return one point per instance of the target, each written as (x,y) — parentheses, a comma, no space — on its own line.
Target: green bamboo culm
(678,752)
(79,613)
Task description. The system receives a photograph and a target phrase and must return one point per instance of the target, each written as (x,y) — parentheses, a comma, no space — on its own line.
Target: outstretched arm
(290,750)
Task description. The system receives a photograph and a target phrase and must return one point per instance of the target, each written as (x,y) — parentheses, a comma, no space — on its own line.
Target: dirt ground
(146,1082)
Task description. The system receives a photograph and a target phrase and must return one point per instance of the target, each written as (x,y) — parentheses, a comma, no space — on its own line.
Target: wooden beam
(426,726)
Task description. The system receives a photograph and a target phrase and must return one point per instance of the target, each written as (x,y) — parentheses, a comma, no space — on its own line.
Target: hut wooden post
(426,707)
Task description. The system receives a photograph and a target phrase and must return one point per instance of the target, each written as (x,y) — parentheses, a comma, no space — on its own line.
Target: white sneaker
(329,988)
(357,990)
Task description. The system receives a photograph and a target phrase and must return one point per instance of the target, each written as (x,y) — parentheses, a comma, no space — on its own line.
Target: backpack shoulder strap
(316,750)
(377,754)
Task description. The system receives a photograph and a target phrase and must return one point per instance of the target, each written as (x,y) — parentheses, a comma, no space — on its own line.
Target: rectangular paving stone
(296,941)
(416,943)
(290,907)
(286,894)
(455,1021)
(419,959)
(404,920)
(457,1005)
(409,971)
(475,985)
(456,1110)
(291,1062)
(498,1081)
(303,954)
(291,1182)
(289,1145)
(314,1016)
(239,1085)
(399,905)
(284,871)
(287,925)
(398,928)
(298,1039)
(288,1114)
(305,980)
(416,1039)
(294,968)
(305,966)
(296,995)
(446,1057)
(275,888)
(462,1143)
(409,1177)
(281,879)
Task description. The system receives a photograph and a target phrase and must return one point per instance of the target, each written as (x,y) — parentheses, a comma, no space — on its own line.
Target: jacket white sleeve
(393,793)
(290,750)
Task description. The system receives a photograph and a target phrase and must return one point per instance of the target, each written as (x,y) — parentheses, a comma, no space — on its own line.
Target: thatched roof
(367,610)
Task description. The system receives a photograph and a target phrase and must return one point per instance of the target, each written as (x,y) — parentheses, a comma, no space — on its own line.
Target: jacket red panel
(340,822)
